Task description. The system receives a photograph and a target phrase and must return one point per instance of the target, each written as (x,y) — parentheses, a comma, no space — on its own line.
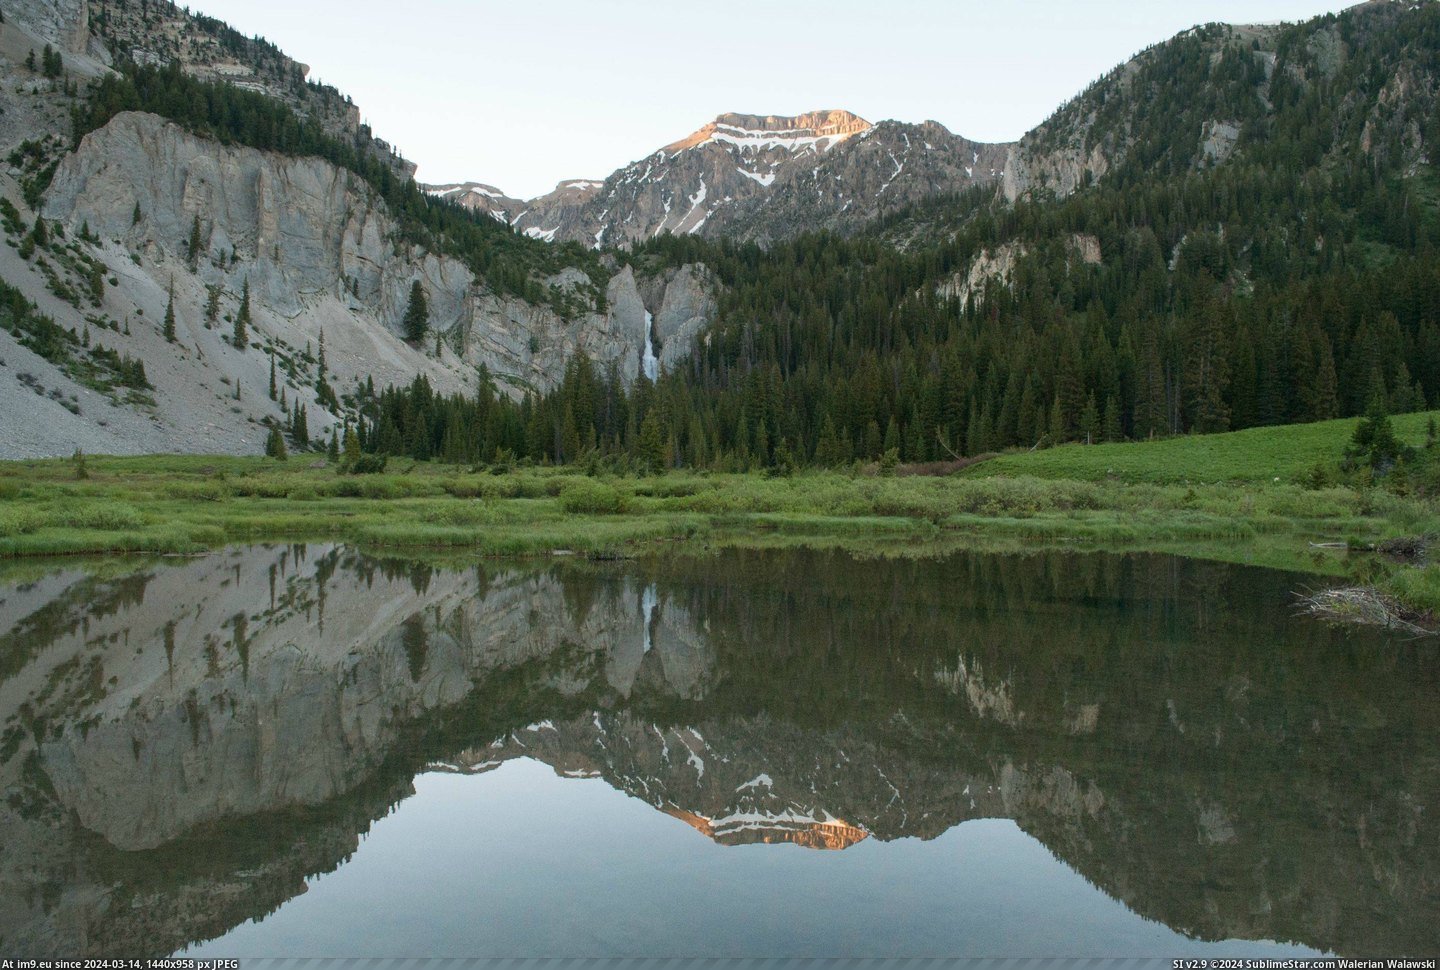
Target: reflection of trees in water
(416,642)
(1247,758)
(1166,727)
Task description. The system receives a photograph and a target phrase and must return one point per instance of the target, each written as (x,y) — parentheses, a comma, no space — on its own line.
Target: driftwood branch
(1364,605)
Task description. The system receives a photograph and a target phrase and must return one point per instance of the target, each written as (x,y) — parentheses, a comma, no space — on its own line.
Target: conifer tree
(275,444)
(242,320)
(170,316)
(1090,421)
(272,374)
(352,445)
(417,314)
(652,443)
(1112,429)
(1374,443)
(192,248)
(300,427)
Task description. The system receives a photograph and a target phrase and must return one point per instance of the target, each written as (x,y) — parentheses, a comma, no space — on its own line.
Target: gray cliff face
(63,23)
(683,302)
(761,178)
(320,256)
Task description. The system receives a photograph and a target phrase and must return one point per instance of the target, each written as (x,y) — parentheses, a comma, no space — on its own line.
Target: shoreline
(171,505)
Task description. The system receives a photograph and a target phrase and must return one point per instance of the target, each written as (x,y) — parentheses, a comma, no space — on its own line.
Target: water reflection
(184,745)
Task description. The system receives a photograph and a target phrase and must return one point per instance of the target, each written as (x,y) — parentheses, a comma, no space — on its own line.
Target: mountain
(480,198)
(755,177)
(208,167)
(1236,227)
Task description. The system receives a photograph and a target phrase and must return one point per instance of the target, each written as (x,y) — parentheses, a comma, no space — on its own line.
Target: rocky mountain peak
(819,129)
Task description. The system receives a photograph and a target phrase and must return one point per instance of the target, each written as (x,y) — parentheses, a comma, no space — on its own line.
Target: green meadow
(1270,496)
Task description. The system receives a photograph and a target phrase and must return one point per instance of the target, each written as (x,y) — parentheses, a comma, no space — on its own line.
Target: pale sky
(524,93)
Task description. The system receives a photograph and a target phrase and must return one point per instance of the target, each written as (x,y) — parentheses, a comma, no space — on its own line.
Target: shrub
(366,465)
(586,497)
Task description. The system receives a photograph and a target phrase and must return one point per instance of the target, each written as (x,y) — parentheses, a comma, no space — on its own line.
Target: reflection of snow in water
(650,362)
(648,601)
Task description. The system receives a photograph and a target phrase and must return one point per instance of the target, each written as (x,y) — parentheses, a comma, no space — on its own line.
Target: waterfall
(648,601)
(650,362)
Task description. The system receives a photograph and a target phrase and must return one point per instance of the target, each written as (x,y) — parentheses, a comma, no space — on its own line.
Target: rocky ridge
(755,177)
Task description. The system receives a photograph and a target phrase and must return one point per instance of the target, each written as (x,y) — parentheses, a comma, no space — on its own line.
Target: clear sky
(524,93)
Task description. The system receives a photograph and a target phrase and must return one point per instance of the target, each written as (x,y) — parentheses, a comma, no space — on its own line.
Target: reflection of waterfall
(650,362)
(648,601)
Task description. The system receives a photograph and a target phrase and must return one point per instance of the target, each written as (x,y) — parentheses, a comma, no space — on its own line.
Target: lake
(307,750)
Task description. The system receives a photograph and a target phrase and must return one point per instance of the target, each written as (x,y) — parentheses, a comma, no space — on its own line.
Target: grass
(1250,496)
(1291,453)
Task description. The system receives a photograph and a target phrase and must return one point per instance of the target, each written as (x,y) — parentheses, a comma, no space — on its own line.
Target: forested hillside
(1261,250)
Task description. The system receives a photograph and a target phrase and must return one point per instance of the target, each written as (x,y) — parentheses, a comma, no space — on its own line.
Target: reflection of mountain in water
(1165,727)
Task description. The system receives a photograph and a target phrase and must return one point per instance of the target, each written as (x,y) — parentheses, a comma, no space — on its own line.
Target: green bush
(382,488)
(585,497)
(367,465)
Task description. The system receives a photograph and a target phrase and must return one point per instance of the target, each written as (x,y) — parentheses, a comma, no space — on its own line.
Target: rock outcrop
(63,23)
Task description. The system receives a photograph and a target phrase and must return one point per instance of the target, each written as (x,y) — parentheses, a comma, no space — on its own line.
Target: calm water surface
(308,751)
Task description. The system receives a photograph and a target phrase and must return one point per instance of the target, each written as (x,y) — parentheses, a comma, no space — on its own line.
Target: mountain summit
(758,177)
(816,129)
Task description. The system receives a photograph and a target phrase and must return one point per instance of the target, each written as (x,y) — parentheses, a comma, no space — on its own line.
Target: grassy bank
(1254,496)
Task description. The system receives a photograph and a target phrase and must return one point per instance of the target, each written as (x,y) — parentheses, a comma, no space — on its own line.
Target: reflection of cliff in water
(1165,727)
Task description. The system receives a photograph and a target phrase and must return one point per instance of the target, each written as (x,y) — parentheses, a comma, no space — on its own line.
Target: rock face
(683,303)
(319,254)
(998,266)
(65,23)
(758,177)
(303,232)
